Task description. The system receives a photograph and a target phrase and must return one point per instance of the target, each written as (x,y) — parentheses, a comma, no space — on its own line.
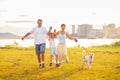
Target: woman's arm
(70,37)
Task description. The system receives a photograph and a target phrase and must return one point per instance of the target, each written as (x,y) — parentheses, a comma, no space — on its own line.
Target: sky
(20,16)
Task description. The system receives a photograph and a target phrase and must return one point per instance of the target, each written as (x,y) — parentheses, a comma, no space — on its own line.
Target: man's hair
(39,19)
(63,25)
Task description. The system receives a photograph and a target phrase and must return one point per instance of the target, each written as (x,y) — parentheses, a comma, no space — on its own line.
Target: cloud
(19,21)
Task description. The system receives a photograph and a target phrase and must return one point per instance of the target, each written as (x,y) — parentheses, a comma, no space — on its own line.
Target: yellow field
(21,64)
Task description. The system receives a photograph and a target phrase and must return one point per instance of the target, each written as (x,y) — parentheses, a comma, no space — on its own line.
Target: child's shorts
(53,51)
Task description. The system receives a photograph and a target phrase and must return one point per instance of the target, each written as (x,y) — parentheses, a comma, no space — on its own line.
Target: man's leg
(42,51)
(39,59)
(37,49)
(42,57)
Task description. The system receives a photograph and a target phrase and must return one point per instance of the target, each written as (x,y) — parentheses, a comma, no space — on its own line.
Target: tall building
(118,32)
(73,29)
(105,29)
(111,31)
(84,30)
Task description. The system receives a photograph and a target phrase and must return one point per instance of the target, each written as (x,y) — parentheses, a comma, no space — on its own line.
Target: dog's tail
(83,53)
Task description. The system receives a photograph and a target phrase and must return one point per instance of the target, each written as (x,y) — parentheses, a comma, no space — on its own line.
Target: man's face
(39,22)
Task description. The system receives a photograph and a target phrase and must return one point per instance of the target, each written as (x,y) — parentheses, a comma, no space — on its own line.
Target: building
(96,33)
(74,34)
(118,32)
(87,31)
(84,30)
(73,29)
(111,31)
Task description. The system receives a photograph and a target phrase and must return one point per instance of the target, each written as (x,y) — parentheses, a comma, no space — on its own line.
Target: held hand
(50,28)
(54,30)
(22,38)
(76,40)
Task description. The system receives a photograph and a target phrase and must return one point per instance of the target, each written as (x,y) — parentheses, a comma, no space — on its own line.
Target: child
(52,47)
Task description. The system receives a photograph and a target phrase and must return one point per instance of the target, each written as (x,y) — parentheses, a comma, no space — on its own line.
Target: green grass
(21,64)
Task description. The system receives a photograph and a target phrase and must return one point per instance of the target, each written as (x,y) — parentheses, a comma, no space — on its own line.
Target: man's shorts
(40,48)
(53,51)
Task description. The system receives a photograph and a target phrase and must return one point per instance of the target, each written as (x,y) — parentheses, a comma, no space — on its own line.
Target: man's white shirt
(39,34)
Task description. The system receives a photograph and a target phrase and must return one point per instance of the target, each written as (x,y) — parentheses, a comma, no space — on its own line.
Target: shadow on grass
(66,74)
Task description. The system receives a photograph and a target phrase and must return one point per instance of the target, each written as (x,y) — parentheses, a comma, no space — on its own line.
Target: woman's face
(63,27)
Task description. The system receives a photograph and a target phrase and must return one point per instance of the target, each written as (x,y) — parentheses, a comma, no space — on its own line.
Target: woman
(62,49)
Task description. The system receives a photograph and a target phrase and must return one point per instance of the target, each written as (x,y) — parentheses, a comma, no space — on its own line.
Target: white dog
(87,59)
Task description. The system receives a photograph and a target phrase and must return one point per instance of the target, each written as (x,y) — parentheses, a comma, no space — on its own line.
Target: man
(40,37)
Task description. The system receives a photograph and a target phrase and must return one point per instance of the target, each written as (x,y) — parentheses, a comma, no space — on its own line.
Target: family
(60,52)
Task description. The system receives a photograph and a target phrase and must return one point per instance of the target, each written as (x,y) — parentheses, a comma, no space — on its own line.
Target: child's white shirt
(52,43)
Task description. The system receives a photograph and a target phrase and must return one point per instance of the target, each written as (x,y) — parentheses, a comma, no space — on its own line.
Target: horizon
(28,27)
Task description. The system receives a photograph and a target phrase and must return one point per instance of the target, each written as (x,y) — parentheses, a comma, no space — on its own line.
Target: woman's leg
(59,54)
(65,54)
(56,58)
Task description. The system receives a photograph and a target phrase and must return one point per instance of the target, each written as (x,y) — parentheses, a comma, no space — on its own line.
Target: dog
(87,59)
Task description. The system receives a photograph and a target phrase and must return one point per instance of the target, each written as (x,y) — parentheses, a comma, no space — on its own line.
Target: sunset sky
(19,16)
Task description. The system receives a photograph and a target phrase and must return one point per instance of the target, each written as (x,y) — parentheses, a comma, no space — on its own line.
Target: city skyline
(87,31)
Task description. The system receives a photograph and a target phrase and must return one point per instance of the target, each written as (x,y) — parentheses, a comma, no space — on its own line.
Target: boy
(52,46)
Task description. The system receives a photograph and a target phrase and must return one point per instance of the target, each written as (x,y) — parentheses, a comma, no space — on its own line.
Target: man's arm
(27,34)
(70,37)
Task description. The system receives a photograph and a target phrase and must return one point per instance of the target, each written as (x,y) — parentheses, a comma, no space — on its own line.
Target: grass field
(21,64)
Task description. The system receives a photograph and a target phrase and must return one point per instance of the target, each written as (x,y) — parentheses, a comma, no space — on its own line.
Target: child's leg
(57,64)
(51,57)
